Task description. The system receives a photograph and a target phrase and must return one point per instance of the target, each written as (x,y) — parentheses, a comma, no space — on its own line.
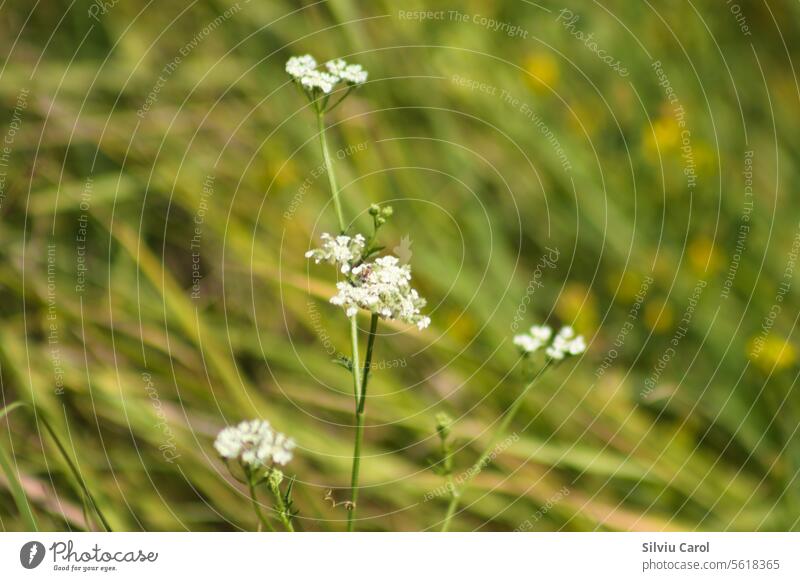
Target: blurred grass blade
(76,474)
(20,499)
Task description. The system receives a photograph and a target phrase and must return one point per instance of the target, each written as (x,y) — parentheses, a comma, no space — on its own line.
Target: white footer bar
(407,556)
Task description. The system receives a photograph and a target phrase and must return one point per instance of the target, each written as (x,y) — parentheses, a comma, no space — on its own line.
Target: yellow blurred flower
(544,68)
(663,138)
(284,172)
(626,286)
(664,267)
(771,353)
(578,306)
(703,256)
(461,326)
(659,316)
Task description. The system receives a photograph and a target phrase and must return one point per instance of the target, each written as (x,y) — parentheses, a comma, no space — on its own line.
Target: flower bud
(275,478)
(444,424)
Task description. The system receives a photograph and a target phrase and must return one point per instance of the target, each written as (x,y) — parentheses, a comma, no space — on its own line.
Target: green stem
(373,327)
(351,514)
(256,507)
(455,496)
(457,491)
(326,156)
(355,371)
(357,386)
(282,512)
(361,400)
(342,98)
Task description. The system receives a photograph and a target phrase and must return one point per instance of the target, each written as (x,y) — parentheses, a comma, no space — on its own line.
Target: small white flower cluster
(350,74)
(534,339)
(255,444)
(297,66)
(382,286)
(303,69)
(341,250)
(565,342)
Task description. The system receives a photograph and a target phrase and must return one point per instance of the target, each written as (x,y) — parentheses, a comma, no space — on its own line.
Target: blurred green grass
(482,194)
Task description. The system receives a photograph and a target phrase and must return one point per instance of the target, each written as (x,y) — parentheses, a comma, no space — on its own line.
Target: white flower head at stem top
(254,443)
(382,287)
(344,251)
(350,74)
(299,66)
(566,343)
(530,342)
(315,82)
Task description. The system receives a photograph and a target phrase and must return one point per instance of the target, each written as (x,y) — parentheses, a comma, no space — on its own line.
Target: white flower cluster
(303,69)
(297,66)
(534,339)
(350,74)
(565,342)
(341,250)
(382,286)
(254,443)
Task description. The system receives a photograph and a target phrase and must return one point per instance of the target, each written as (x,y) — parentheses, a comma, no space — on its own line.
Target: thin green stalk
(356,369)
(373,328)
(457,491)
(256,507)
(282,512)
(357,384)
(360,407)
(326,156)
(455,496)
(339,101)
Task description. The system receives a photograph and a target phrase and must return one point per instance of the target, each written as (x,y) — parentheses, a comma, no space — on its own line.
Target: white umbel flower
(300,66)
(566,343)
(255,444)
(526,343)
(282,449)
(350,74)
(382,287)
(541,333)
(304,70)
(314,80)
(341,250)
(577,345)
(530,342)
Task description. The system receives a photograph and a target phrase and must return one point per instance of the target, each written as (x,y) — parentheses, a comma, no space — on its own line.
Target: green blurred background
(161,182)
